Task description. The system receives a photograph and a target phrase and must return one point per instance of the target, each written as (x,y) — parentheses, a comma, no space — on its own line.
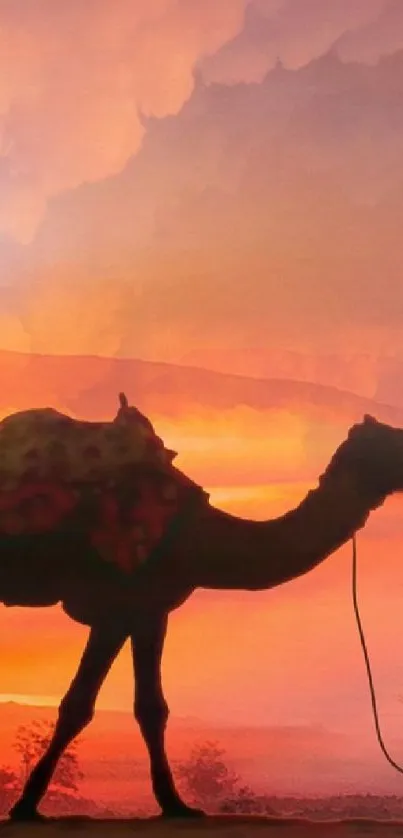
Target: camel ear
(369,420)
(123,401)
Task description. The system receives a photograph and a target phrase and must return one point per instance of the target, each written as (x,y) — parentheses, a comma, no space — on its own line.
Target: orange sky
(170,192)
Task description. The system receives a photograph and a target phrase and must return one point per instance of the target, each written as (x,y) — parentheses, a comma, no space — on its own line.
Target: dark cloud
(293,31)
(381,36)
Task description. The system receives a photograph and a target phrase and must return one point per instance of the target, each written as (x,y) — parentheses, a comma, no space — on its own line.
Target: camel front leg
(75,712)
(151,712)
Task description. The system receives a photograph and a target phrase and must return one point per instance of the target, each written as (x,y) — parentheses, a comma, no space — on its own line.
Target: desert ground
(219,827)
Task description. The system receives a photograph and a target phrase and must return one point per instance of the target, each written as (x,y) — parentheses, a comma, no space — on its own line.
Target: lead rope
(368,664)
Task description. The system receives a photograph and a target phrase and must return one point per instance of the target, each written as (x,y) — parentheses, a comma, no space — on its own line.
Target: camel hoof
(183,811)
(22,812)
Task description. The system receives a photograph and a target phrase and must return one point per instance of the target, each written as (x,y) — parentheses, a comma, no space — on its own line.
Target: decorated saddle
(113,480)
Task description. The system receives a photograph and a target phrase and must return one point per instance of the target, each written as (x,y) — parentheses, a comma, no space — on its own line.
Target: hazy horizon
(309,761)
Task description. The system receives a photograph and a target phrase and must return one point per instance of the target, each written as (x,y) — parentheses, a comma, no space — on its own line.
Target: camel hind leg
(75,712)
(151,712)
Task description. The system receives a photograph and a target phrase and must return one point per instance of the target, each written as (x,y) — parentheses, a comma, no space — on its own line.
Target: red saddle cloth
(127,532)
(123,526)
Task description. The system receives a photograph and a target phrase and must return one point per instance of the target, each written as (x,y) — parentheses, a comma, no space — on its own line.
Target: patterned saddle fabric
(45,444)
(114,480)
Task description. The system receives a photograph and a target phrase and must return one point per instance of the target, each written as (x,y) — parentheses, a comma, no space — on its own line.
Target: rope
(368,664)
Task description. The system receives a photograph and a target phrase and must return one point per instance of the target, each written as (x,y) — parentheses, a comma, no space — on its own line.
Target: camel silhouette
(203,547)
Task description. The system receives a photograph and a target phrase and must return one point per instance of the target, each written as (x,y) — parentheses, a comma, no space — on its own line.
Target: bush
(205,778)
(31,743)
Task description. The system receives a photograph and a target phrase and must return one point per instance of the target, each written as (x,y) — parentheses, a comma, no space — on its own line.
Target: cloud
(379,37)
(257,229)
(260,218)
(79,80)
(294,31)
(75,80)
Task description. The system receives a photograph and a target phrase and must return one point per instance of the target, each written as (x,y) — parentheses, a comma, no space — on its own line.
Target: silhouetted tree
(205,777)
(31,742)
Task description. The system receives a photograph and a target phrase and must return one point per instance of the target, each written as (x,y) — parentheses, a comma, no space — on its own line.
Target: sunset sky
(215,184)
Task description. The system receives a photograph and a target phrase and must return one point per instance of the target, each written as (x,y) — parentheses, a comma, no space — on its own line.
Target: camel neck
(234,553)
(325,520)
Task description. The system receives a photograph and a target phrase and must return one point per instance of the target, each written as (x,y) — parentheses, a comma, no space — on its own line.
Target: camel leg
(151,712)
(75,712)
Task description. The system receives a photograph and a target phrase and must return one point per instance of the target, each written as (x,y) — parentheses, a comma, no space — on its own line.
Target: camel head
(373,453)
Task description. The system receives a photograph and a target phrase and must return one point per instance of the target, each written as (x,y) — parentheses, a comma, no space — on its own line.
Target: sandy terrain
(222,827)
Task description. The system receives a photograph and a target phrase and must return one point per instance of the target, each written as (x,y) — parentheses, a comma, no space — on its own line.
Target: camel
(205,547)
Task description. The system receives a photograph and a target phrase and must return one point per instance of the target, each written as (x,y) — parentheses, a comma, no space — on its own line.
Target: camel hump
(42,444)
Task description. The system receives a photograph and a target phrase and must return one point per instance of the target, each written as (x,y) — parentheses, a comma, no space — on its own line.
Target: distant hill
(229,430)
(88,386)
